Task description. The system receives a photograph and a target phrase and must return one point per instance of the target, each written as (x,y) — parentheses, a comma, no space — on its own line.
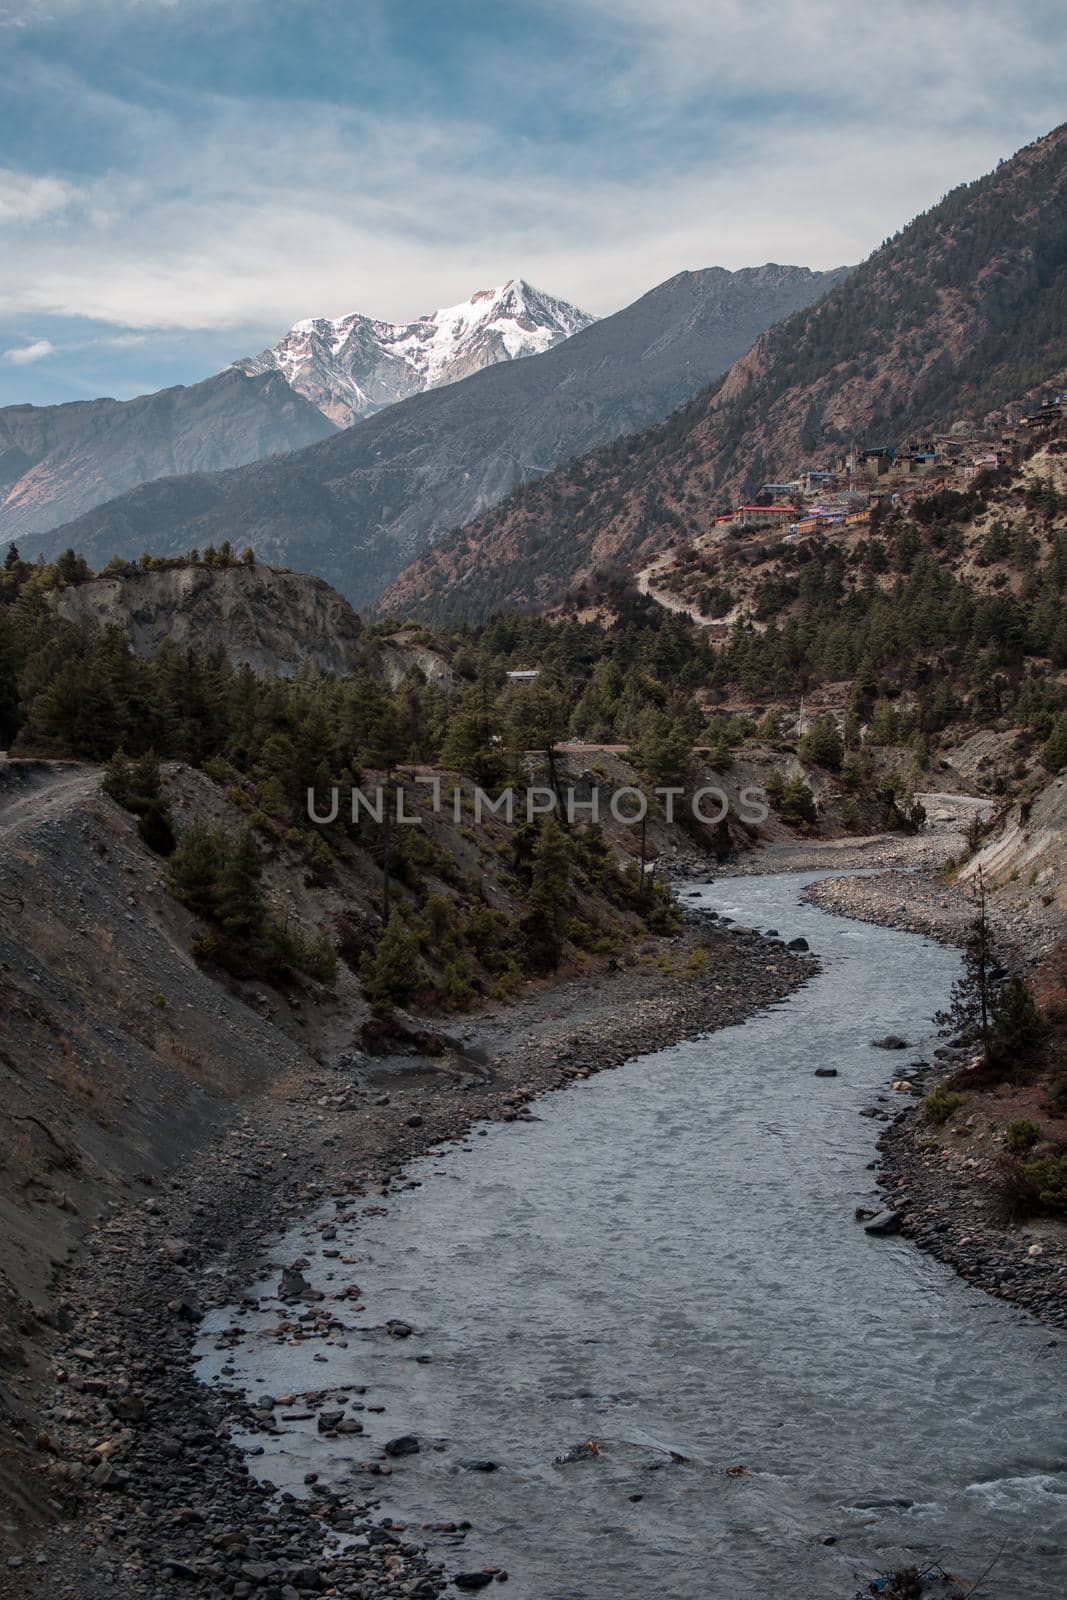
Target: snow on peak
(352,366)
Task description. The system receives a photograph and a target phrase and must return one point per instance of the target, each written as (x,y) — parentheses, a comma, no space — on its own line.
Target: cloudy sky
(181,180)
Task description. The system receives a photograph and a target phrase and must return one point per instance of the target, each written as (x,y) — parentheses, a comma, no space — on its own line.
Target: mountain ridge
(351,367)
(356,507)
(964,309)
(57,462)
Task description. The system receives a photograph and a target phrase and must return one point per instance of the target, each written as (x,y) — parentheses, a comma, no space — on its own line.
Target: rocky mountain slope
(350,367)
(962,313)
(57,462)
(358,507)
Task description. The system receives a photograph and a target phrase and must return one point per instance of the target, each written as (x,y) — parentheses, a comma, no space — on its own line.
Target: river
(667,1263)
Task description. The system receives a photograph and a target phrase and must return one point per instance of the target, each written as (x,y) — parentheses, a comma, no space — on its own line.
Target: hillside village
(845,490)
(841,508)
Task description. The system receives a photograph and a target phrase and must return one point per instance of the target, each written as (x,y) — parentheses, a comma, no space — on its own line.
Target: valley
(533,931)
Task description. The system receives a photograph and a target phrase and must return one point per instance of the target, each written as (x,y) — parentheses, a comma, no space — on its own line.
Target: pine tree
(798,804)
(822,744)
(137,786)
(661,752)
(1054,752)
(193,870)
(239,904)
(864,690)
(1018,1026)
(544,924)
(393,973)
(970,1009)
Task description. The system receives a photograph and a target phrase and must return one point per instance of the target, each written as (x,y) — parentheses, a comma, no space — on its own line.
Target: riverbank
(947,1190)
(948,1184)
(135,1456)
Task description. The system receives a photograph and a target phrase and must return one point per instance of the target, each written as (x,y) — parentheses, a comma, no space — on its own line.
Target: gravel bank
(944,1188)
(920,902)
(151,1495)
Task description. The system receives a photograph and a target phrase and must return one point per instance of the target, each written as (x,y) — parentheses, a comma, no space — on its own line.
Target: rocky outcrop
(1024,864)
(270,621)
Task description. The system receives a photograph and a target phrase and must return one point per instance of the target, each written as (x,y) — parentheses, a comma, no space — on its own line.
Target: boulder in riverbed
(884,1223)
(405,1445)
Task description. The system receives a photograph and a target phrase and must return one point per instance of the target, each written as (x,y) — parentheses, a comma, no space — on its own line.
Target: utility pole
(386,835)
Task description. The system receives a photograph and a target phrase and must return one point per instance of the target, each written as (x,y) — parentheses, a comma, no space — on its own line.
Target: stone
(294,1286)
(472,1580)
(479,1466)
(798,944)
(405,1444)
(399,1330)
(127,1407)
(825,1072)
(885,1222)
(892,1041)
(180,1251)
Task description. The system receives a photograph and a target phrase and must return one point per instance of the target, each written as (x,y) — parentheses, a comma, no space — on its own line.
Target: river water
(668,1263)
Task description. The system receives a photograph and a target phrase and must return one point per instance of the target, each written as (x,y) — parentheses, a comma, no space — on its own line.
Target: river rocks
(825,1072)
(127,1408)
(798,944)
(589,1451)
(886,1222)
(293,1286)
(954,1212)
(479,1466)
(398,1330)
(186,1308)
(892,1041)
(406,1444)
(472,1580)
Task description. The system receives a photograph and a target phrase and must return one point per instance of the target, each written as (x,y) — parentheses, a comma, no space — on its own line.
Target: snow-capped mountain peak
(352,366)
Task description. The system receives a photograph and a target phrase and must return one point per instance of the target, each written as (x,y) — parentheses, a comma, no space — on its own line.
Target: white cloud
(748,130)
(24,355)
(24,198)
(269,226)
